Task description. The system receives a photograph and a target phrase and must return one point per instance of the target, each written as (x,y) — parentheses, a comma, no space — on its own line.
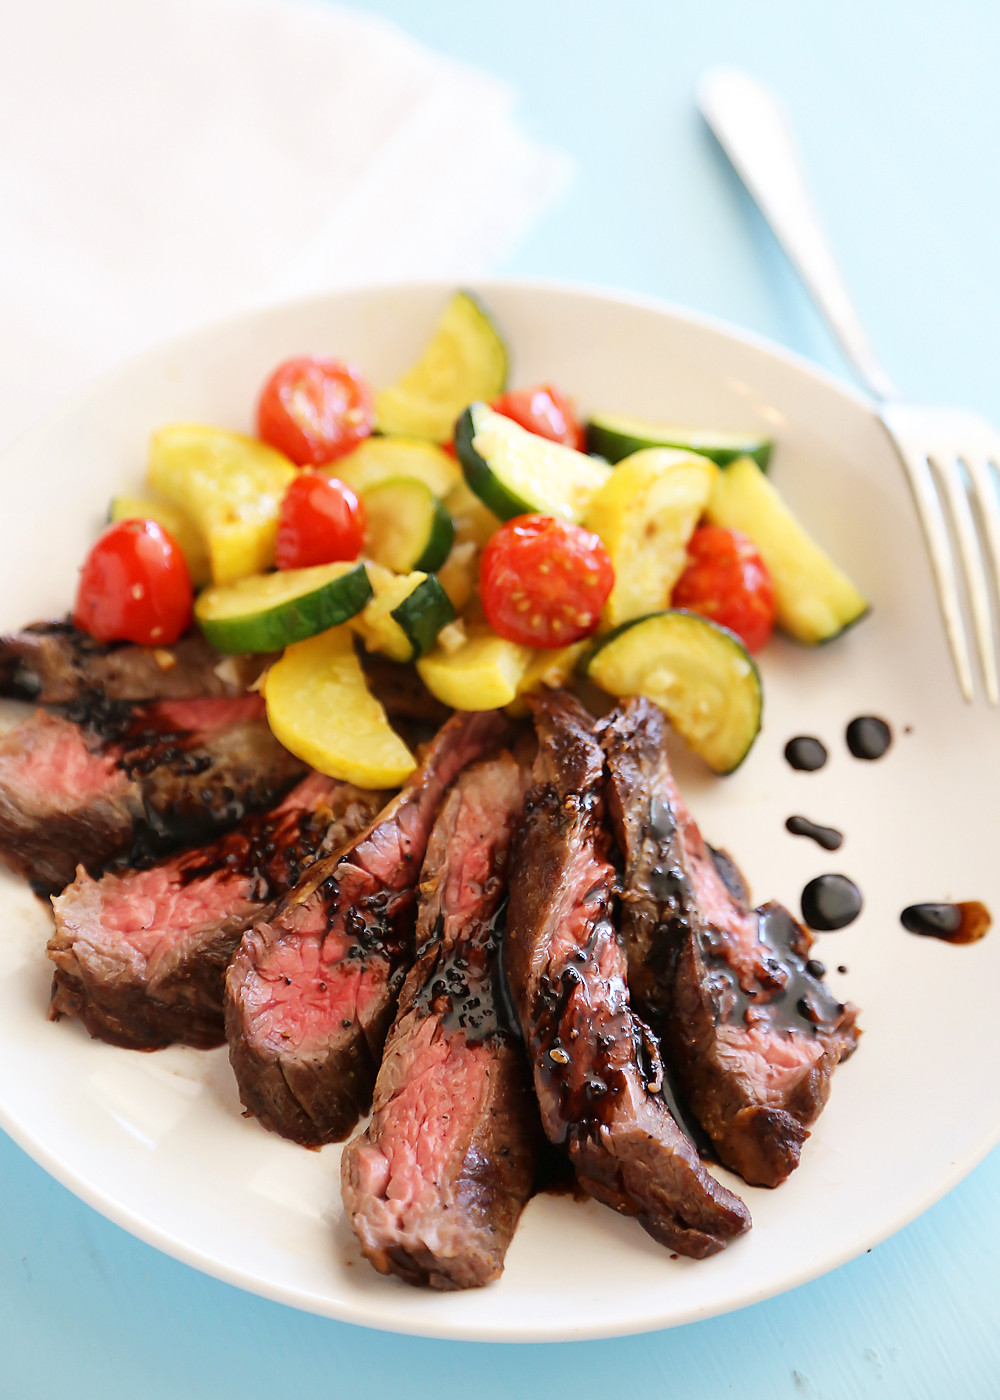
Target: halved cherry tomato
(134,586)
(544,581)
(315,410)
(727,580)
(321,521)
(544,411)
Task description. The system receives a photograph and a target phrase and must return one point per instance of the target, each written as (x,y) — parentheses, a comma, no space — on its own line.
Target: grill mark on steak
(55,664)
(435,1185)
(596,1066)
(120,781)
(311,992)
(750,1035)
(140,956)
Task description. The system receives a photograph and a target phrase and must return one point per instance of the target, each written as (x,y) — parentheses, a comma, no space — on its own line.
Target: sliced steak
(436,1183)
(118,779)
(54,664)
(311,993)
(750,1034)
(596,1068)
(140,956)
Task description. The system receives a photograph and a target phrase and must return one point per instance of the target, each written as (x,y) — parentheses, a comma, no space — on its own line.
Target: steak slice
(436,1183)
(118,779)
(311,992)
(55,664)
(141,955)
(750,1034)
(596,1068)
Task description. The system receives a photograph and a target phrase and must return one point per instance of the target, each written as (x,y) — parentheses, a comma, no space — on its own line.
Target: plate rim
(444,1328)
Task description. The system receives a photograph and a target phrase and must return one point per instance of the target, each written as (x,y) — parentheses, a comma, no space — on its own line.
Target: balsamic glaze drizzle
(805,753)
(966,922)
(830,902)
(825,836)
(868,737)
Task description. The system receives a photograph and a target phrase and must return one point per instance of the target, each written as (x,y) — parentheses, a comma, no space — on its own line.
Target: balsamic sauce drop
(830,902)
(805,753)
(953,923)
(825,836)
(868,736)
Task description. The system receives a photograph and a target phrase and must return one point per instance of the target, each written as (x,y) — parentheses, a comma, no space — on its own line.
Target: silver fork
(949,455)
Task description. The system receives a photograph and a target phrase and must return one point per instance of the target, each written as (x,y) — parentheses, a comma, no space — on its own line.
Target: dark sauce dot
(841,968)
(815,968)
(953,923)
(830,902)
(825,836)
(868,737)
(805,753)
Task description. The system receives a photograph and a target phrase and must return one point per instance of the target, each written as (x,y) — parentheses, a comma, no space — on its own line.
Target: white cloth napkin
(164,164)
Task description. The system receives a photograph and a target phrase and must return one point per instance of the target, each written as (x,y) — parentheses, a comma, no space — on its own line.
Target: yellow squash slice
(645,513)
(320,708)
(231,486)
(484,673)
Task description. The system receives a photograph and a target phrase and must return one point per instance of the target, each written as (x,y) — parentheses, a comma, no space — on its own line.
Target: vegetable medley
(489,536)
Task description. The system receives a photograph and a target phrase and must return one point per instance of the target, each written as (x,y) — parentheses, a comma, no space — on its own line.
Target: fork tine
(949,473)
(928,505)
(988,504)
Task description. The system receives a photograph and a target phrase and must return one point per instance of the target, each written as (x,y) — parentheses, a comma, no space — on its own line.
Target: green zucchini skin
(728,669)
(524,473)
(613,438)
(270,628)
(423,613)
(480,476)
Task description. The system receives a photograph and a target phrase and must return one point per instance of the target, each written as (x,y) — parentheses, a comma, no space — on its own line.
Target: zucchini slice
(614,436)
(380,458)
(320,708)
(701,675)
(232,488)
(814,599)
(515,472)
(270,611)
(177,524)
(408,526)
(645,513)
(465,359)
(405,615)
(482,674)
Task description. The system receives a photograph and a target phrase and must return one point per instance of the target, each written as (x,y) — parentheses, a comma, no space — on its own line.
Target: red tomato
(544,411)
(727,581)
(134,586)
(543,581)
(321,521)
(315,410)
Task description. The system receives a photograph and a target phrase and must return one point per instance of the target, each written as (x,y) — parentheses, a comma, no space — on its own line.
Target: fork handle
(755,133)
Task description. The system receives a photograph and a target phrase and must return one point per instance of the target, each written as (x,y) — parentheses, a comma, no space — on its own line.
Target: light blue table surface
(898,109)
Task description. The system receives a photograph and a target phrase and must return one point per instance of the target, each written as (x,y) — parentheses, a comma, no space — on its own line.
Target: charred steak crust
(436,1183)
(312,990)
(596,1068)
(750,1034)
(112,780)
(140,955)
(55,664)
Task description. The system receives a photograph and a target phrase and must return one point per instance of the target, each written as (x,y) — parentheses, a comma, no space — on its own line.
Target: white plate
(157,1143)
